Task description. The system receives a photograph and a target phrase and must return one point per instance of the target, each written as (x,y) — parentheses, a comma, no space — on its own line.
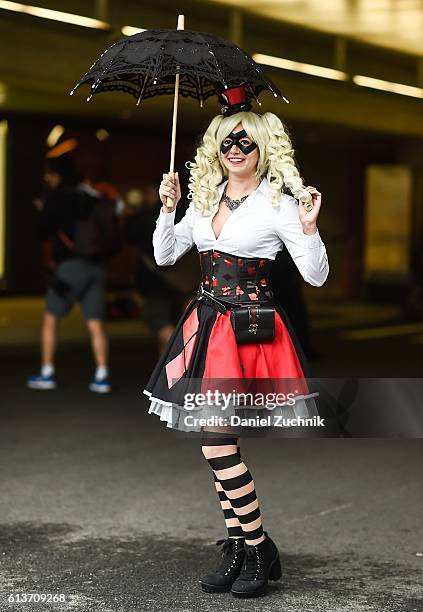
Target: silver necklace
(233,204)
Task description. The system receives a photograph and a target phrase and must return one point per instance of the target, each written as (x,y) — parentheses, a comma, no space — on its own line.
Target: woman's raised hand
(309,219)
(170,188)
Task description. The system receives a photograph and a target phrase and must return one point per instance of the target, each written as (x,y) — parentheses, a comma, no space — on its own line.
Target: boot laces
(252,564)
(230,550)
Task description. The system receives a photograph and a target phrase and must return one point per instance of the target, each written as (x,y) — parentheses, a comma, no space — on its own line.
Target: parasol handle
(169,201)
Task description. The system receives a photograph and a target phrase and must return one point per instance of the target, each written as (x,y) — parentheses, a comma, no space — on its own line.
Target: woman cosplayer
(239,218)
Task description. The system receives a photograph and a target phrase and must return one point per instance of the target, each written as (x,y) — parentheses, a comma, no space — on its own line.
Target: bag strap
(66,240)
(270,303)
(228,304)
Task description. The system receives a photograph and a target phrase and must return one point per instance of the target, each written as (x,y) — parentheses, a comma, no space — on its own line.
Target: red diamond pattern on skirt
(179,364)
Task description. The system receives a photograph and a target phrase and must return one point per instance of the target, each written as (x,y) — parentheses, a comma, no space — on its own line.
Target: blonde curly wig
(276,158)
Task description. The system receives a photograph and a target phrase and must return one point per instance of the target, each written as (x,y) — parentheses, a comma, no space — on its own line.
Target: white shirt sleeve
(307,251)
(170,241)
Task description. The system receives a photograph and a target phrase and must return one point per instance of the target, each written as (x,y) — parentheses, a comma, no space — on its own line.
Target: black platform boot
(261,564)
(221,580)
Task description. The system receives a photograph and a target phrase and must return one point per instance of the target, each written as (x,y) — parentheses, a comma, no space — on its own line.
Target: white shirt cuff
(166,219)
(312,241)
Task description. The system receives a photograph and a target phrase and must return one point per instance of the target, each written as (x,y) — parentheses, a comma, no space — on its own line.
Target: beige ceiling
(397,24)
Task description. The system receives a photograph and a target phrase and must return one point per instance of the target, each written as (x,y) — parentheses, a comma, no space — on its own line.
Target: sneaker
(100,386)
(41,382)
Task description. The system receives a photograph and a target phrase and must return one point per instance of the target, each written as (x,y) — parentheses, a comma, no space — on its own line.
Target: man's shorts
(77,280)
(163,309)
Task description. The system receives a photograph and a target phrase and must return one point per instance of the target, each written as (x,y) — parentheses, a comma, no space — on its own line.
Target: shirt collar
(264,186)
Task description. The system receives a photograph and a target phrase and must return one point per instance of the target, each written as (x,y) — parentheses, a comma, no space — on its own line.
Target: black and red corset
(242,278)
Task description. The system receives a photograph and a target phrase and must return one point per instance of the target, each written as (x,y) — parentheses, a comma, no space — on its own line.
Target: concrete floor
(99,502)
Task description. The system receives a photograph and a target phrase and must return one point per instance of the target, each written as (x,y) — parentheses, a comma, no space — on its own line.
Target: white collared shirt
(255,229)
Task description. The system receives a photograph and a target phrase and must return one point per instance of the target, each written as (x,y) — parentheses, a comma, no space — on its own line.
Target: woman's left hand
(308,219)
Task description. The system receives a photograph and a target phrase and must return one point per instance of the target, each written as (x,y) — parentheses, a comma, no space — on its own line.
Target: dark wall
(131,157)
(331,158)
(334,160)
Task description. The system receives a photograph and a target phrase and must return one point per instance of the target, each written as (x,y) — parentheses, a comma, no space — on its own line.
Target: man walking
(69,216)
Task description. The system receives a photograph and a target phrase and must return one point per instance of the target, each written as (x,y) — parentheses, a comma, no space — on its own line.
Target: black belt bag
(253,323)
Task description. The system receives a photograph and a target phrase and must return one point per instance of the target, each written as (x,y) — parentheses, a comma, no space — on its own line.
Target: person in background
(67,216)
(163,300)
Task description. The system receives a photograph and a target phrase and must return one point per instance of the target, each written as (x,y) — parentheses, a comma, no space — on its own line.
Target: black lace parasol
(193,64)
(145,64)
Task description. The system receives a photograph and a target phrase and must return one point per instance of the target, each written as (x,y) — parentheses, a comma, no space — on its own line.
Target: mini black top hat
(234,100)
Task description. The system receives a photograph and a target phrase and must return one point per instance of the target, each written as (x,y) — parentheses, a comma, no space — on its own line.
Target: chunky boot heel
(276,570)
(261,564)
(221,580)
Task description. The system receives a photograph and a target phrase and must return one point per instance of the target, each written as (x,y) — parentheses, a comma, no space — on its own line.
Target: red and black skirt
(202,355)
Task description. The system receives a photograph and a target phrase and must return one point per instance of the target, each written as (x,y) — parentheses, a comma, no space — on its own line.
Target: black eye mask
(235,138)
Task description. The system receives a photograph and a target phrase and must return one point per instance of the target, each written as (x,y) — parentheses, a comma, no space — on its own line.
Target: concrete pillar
(236,26)
(420,72)
(340,53)
(102,9)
